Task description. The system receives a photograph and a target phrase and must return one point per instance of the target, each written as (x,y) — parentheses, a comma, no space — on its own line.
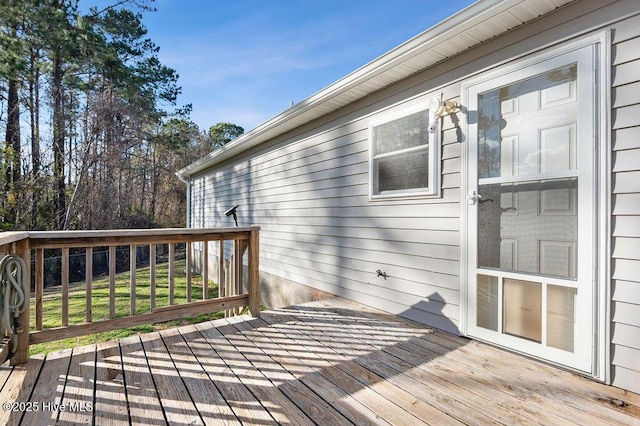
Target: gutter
(187,181)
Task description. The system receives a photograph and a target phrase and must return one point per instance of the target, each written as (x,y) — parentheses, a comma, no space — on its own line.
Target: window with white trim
(404,154)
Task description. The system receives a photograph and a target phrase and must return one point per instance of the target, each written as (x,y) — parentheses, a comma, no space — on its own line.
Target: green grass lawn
(52,305)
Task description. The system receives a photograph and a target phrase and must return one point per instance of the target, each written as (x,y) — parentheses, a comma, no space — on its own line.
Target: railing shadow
(327,354)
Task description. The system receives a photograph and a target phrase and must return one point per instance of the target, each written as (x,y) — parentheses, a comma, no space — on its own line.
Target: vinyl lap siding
(319,228)
(626,205)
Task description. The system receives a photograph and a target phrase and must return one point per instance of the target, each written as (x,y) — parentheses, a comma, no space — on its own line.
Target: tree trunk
(13,131)
(155,173)
(58,141)
(34,115)
(12,138)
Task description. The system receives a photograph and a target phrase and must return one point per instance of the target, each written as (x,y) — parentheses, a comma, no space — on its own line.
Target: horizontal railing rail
(232,293)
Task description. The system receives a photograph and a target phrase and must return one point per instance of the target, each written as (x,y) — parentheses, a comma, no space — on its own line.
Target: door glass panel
(561,317)
(529,127)
(487,302)
(522,313)
(529,227)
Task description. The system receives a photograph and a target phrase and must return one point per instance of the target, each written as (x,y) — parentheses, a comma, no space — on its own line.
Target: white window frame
(433,146)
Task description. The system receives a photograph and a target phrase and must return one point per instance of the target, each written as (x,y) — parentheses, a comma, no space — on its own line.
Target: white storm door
(531,209)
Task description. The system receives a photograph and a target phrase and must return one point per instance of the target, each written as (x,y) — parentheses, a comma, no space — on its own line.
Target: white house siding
(309,194)
(625,284)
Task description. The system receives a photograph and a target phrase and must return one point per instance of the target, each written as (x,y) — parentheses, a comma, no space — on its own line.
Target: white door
(531,209)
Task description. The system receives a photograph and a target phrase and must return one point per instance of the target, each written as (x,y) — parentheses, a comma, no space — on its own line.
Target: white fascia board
(475,14)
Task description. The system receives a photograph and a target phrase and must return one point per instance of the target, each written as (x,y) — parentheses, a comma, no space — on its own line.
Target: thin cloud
(245,61)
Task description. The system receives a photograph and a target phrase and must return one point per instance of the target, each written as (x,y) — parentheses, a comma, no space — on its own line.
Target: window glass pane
(405,132)
(529,127)
(522,315)
(561,321)
(402,171)
(529,227)
(487,316)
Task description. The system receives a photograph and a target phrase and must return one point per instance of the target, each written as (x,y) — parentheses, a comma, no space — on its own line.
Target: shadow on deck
(331,362)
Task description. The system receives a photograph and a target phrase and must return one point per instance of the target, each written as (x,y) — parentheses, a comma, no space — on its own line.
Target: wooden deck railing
(31,246)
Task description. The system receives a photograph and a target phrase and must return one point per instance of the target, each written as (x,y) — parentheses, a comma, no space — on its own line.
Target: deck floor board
(110,398)
(328,362)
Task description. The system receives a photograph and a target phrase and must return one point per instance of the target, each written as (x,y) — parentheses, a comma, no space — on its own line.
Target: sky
(245,61)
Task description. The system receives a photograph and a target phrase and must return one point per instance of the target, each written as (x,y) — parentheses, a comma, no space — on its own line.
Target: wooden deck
(332,363)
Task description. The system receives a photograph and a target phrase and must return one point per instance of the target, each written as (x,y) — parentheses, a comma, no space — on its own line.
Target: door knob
(473,197)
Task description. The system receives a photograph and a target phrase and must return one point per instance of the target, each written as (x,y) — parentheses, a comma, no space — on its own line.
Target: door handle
(473,197)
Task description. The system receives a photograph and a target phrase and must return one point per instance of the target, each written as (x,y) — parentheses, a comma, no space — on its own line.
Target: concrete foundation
(275,292)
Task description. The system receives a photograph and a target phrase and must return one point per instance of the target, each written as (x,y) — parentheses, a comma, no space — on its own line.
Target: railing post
(65,285)
(21,355)
(236,266)
(112,281)
(171,276)
(205,270)
(254,273)
(152,276)
(222,286)
(133,254)
(188,261)
(39,286)
(89,282)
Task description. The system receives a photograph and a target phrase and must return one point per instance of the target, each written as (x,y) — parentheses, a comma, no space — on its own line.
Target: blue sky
(244,61)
